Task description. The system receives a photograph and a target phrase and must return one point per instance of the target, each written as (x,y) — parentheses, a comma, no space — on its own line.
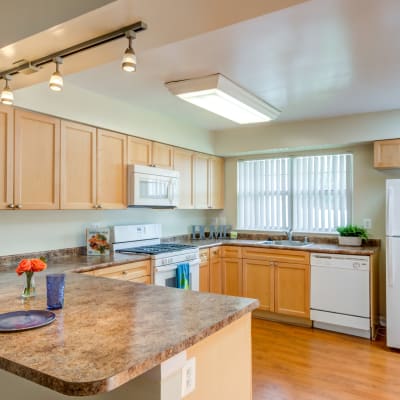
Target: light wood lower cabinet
(258,282)
(279,279)
(138,271)
(204,284)
(232,276)
(215,270)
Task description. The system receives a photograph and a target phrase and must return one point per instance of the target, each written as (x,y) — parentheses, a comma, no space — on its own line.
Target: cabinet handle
(19,206)
(124,273)
(99,206)
(12,206)
(94,205)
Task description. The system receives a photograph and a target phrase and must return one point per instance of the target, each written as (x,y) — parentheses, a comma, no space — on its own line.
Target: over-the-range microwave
(152,187)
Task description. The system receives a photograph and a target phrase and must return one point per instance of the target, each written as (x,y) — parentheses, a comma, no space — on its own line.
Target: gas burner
(158,248)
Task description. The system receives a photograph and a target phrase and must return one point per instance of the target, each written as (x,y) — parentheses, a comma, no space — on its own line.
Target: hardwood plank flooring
(295,363)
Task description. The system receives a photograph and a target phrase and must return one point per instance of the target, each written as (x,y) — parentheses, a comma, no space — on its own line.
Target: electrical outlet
(367,223)
(188,377)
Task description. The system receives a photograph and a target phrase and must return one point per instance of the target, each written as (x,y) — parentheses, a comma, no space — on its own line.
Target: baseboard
(270,316)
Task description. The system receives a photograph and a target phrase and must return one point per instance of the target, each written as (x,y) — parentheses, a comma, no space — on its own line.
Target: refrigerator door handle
(390,269)
(389,211)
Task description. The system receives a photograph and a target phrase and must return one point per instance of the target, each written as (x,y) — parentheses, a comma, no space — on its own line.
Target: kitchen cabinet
(138,271)
(204,285)
(78,166)
(387,153)
(279,278)
(200,181)
(111,170)
(216,182)
(183,163)
(146,152)
(36,161)
(215,270)
(232,271)
(6,156)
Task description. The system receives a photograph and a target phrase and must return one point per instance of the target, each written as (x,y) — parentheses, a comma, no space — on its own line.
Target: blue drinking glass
(55,284)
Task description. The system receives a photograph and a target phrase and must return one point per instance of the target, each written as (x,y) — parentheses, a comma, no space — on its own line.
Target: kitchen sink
(295,243)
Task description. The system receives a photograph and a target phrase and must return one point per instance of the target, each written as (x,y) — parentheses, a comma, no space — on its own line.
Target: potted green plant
(351,235)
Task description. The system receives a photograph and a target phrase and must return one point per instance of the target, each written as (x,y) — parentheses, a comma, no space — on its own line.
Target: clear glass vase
(30,288)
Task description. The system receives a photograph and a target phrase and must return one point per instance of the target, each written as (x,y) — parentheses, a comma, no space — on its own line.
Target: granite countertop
(313,247)
(109,331)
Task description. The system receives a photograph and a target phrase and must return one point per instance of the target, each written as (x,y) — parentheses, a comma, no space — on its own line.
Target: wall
(369,195)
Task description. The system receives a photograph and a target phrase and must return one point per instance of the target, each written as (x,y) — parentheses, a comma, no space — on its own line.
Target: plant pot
(350,241)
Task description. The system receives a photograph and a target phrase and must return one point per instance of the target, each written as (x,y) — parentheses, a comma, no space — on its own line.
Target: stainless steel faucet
(289,233)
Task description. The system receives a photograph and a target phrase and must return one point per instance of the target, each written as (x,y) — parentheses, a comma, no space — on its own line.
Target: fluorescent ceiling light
(221,96)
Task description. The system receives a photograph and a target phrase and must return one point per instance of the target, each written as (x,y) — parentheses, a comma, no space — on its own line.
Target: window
(308,194)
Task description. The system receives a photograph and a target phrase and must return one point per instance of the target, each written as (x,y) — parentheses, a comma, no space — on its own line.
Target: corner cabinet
(6,156)
(36,161)
(387,154)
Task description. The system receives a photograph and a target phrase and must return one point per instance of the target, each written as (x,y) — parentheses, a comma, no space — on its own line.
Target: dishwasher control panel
(340,261)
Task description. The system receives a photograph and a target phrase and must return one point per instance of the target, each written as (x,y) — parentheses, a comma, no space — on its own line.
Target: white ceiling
(317,59)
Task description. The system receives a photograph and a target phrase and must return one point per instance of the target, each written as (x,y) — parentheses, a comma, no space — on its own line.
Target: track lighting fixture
(56,81)
(7,96)
(129,58)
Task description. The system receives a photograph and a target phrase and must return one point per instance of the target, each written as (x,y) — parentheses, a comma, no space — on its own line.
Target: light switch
(367,223)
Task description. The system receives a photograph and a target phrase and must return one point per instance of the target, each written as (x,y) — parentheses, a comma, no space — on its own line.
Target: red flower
(30,265)
(37,265)
(24,266)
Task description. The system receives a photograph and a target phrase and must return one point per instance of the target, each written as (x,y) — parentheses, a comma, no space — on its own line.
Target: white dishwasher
(340,299)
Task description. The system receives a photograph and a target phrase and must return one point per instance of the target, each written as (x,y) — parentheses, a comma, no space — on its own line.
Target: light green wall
(368,199)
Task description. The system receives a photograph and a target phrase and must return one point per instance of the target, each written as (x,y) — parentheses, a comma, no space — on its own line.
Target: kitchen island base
(222,372)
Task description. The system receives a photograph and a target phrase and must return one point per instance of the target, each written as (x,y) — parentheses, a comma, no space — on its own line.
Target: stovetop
(158,248)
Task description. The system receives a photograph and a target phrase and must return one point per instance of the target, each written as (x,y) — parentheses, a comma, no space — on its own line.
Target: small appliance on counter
(165,257)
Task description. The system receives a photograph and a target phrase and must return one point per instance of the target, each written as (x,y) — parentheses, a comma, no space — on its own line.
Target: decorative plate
(22,320)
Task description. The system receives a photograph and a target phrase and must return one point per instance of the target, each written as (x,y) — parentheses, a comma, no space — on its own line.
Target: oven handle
(192,263)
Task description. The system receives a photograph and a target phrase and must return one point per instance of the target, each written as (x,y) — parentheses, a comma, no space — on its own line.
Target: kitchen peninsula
(120,340)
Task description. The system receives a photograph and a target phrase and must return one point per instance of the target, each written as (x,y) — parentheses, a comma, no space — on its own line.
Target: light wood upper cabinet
(162,155)
(111,169)
(6,156)
(78,166)
(258,282)
(37,161)
(292,289)
(200,181)
(183,163)
(387,153)
(139,151)
(216,182)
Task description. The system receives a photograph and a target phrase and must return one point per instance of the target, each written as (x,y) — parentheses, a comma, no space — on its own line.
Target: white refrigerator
(393,262)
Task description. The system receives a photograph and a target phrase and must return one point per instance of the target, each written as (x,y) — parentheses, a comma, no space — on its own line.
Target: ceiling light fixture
(7,96)
(56,81)
(129,58)
(35,65)
(221,96)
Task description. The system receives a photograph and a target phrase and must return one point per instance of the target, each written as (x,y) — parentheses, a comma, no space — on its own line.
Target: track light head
(56,81)
(7,96)
(129,58)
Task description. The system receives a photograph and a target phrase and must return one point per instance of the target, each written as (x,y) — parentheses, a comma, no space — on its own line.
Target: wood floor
(294,363)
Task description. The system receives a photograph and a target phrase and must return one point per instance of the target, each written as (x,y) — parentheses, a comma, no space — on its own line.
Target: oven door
(166,275)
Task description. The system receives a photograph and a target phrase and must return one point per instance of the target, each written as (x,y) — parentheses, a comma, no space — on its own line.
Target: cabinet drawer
(215,252)
(142,279)
(290,256)
(231,252)
(127,272)
(204,256)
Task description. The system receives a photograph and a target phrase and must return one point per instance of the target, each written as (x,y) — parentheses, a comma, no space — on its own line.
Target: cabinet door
(204,270)
(78,166)
(258,282)
(200,181)
(216,182)
(215,273)
(139,151)
(184,164)
(387,153)
(37,161)
(232,276)
(163,155)
(292,289)
(111,170)
(6,156)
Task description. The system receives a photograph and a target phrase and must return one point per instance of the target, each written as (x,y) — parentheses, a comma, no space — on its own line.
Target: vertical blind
(308,194)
